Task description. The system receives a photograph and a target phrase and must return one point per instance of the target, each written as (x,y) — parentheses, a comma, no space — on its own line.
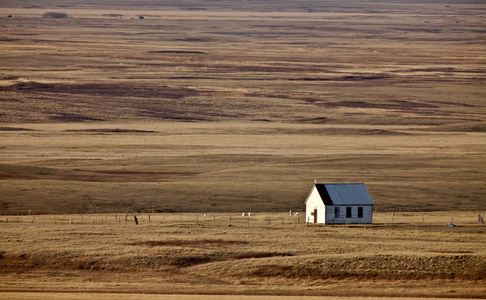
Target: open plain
(187,113)
(408,254)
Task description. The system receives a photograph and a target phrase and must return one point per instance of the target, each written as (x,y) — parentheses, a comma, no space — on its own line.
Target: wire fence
(412,220)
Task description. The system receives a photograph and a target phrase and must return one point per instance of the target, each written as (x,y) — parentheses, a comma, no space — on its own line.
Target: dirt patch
(109,130)
(391,104)
(71,117)
(177,52)
(345,78)
(5,128)
(107,89)
(82,175)
(318,120)
(468,127)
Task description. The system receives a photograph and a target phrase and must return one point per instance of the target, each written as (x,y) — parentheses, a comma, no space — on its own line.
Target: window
(337,212)
(360,212)
(349,212)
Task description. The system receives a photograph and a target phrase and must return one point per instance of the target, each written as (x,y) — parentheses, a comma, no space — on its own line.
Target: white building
(339,203)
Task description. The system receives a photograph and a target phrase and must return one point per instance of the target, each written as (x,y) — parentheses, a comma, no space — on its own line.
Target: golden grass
(339,64)
(115,296)
(213,107)
(230,254)
(201,167)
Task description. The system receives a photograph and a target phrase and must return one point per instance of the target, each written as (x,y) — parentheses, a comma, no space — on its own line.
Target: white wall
(314,202)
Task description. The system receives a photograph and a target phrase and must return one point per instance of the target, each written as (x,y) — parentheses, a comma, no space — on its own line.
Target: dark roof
(344,194)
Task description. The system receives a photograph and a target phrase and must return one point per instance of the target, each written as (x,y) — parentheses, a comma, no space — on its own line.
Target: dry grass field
(218,167)
(176,109)
(227,254)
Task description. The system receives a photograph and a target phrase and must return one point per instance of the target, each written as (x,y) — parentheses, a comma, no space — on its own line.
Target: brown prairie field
(176,109)
(411,255)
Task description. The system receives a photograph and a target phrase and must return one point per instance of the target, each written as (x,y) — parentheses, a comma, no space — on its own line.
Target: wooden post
(136,220)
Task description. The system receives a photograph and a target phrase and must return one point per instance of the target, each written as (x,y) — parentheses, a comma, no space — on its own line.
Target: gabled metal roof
(344,194)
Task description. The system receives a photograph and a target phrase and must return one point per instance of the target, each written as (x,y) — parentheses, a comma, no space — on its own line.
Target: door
(315,215)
